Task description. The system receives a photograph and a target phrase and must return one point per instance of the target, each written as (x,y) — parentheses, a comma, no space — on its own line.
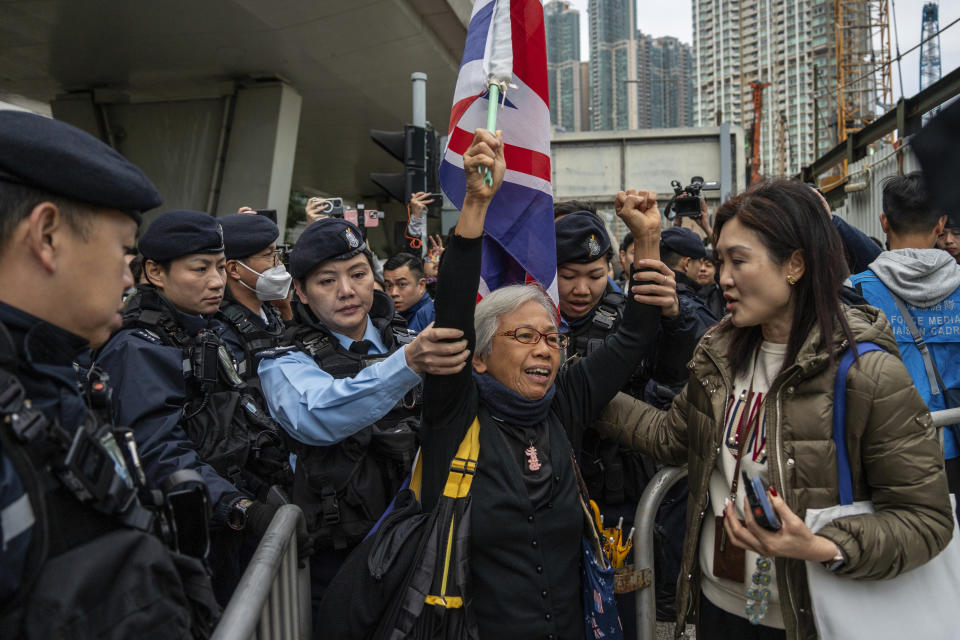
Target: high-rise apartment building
(613,64)
(665,82)
(736,42)
(562,24)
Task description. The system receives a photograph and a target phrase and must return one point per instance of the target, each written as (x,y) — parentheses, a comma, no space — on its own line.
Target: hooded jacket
(890,440)
(922,277)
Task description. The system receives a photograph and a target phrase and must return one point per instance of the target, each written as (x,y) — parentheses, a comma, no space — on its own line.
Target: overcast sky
(665,18)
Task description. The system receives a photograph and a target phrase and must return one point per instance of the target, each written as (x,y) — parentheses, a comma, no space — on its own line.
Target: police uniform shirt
(319,410)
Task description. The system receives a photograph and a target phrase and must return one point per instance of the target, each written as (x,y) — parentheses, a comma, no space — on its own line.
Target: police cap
(683,241)
(245,234)
(180,233)
(58,158)
(325,239)
(581,238)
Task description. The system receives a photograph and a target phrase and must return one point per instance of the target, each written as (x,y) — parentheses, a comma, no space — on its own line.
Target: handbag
(600,615)
(408,578)
(916,604)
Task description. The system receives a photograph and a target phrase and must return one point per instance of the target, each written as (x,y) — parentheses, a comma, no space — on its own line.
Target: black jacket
(524,557)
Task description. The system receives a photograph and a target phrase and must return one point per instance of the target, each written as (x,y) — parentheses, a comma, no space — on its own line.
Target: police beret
(581,237)
(683,241)
(245,234)
(180,233)
(58,158)
(325,239)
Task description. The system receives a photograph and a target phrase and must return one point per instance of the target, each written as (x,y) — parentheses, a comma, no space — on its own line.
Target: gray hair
(486,317)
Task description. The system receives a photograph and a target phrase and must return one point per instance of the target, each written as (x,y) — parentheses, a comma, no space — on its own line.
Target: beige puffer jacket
(890,440)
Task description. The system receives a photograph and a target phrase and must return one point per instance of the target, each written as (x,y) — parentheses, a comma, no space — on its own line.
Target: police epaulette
(276,352)
(148,335)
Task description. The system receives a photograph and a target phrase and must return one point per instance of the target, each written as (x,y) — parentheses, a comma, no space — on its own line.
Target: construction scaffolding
(863,57)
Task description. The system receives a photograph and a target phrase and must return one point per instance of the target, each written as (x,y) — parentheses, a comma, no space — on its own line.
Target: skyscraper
(613,64)
(665,82)
(562,24)
(736,42)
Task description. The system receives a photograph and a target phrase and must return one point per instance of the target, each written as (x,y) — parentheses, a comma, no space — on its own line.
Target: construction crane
(758,87)
(863,59)
(930,51)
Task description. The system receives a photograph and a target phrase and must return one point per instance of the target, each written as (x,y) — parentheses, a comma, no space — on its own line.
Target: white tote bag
(921,604)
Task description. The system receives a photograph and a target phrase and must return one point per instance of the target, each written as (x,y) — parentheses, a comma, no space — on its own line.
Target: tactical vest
(606,318)
(343,489)
(254,335)
(223,416)
(96,565)
(612,474)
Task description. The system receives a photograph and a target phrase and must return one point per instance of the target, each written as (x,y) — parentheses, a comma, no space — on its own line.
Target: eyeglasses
(528,335)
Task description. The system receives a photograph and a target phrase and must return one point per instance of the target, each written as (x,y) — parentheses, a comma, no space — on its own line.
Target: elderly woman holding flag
(527,522)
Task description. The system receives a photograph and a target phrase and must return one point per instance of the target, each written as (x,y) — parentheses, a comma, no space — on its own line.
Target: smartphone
(762,510)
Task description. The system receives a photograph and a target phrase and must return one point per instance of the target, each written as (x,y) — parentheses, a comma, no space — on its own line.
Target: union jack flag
(506,44)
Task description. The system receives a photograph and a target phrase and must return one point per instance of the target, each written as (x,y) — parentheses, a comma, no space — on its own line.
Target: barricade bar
(269,603)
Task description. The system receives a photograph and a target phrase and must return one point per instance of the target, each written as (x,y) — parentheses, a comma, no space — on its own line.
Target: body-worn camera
(686,200)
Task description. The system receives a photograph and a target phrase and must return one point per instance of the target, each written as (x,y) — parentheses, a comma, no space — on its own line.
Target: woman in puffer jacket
(760,399)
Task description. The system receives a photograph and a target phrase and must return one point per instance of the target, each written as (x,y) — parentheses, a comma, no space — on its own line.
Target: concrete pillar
(212,148)
(258,168)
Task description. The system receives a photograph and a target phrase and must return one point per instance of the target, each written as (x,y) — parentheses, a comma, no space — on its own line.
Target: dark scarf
(510,406)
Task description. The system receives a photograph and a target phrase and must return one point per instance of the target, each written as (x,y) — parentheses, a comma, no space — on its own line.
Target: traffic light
(417,148)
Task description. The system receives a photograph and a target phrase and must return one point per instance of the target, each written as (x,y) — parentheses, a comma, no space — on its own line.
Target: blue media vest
(939,326)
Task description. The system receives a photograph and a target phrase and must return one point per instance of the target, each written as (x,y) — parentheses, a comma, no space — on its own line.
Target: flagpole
(492,104)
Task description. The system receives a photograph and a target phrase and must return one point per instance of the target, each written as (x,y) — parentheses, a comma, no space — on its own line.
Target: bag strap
(933,375)
(844,476)
(463,466)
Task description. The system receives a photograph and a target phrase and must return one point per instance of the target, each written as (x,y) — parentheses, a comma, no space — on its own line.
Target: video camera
(686,200)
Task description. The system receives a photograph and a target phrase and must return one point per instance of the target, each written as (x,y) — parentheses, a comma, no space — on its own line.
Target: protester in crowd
(346,390)
(949,240)
(194,417)
(916,284)
(405,282)
(431,263)
(761,392)
(256,282)
(417,220)
(77,560)
(709,289)
(526,518)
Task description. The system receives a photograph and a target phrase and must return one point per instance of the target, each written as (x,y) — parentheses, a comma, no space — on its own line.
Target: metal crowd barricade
(653,495)
(646,513)
(272,601)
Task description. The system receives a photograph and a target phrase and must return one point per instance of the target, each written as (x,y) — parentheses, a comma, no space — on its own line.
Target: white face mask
(272,284)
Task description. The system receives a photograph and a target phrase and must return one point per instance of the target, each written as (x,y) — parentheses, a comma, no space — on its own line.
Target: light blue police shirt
(319,410)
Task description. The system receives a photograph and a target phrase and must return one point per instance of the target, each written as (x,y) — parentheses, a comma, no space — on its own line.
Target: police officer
(406,284)
(683,251)
(593,310)
(346,390)
(256,282)
(178,388)
(78,557)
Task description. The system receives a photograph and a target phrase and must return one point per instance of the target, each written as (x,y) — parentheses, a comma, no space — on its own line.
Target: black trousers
(717,624)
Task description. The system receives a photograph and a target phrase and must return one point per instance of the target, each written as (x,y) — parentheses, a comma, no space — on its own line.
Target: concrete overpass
(229,102)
